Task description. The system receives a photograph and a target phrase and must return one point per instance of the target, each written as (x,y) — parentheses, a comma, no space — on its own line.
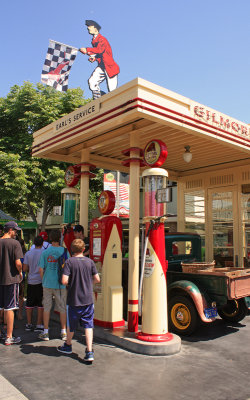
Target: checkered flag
(58,62)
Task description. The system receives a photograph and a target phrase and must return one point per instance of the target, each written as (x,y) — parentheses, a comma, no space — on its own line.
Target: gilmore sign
(221,121)
(77,116)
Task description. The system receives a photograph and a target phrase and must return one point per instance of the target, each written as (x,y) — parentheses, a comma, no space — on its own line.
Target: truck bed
(237,279)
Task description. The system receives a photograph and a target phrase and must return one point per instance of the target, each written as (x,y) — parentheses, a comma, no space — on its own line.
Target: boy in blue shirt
(48,268)
(79,274)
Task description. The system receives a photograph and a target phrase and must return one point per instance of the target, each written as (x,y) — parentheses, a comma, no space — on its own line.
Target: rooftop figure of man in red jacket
(102,53)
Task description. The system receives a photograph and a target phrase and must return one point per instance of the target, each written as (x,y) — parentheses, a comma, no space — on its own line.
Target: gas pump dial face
(155,153)
(106,202)
(71,176)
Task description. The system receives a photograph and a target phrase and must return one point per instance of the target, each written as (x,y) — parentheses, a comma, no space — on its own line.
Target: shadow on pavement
(213,331)
(48,351)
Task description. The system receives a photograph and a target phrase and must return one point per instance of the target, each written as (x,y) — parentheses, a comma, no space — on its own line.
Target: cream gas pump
(153,285)
(106,252)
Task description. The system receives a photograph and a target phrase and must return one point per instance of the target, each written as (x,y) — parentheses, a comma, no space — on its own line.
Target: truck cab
(182,247)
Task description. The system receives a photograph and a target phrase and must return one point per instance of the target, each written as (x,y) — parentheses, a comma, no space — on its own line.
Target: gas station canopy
(147,111)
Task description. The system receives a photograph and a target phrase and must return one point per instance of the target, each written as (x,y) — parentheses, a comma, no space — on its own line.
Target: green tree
(28,184)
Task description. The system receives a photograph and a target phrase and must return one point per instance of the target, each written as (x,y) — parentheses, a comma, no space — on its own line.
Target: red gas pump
(106,250)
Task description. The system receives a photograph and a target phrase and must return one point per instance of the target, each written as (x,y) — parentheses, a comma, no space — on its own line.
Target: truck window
(182,247)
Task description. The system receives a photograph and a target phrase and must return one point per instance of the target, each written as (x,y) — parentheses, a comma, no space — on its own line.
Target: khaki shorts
(60,296)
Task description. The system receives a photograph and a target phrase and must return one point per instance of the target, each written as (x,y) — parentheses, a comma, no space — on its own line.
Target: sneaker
(29,327)
(64,336)
(89,356)
(66,348)
(12,340)
(43,336)
(3,334)
(38,329)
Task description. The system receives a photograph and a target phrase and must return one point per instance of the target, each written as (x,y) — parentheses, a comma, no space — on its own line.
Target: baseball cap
(12,225)
(44,235)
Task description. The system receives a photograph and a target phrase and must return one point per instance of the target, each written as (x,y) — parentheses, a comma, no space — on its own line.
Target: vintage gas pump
(106,252)
(70,200)
(154,288)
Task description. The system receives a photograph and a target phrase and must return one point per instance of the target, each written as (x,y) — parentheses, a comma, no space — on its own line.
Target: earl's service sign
(77,116)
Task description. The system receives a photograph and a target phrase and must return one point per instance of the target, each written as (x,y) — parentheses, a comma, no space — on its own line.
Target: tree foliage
(28,184)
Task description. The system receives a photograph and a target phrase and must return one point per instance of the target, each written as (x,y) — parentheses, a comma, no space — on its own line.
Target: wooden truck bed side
(236,280)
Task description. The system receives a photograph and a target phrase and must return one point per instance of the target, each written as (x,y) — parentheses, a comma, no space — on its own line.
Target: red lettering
(214,118)
(208,113)
(218,119)
(235,126)
(51,259)
(225,123)
(199,111)
(244,130)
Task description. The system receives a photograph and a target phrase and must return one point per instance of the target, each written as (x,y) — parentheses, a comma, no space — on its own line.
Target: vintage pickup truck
(197,291)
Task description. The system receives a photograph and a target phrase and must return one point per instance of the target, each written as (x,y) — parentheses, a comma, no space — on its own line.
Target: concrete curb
(128,341)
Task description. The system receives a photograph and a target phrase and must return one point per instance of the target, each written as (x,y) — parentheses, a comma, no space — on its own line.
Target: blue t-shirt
(49,262)
(80,271)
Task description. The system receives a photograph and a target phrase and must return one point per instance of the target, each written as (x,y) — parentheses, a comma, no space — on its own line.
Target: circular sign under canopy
(72,175)
(155,153)
(106,202)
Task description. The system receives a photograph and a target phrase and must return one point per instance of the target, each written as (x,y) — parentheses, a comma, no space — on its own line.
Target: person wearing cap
(45,237)
(107,69)
(10,277)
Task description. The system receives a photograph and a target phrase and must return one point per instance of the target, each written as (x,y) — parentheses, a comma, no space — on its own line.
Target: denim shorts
(82,314)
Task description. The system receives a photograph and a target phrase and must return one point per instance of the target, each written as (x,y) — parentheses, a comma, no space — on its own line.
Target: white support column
(84,191)
(134,232)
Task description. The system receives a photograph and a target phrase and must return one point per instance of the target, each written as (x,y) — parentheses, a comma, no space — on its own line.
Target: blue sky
(196,48)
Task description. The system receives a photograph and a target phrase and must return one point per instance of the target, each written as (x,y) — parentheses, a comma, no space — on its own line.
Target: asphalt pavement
(213,364)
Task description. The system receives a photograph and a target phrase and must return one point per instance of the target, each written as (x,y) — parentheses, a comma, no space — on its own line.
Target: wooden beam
(61,157)
(108,163)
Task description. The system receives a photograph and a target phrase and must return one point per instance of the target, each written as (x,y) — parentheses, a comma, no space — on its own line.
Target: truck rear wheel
(234,310)
(182,315)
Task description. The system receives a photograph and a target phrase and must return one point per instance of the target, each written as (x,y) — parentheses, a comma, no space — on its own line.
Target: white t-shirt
(45,246)
(32,258)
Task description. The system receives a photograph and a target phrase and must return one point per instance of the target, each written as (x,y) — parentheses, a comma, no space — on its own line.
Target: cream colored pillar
(180,207)
(134,231)
(84,191)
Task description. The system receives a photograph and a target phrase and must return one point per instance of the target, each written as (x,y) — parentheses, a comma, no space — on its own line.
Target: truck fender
(193,291)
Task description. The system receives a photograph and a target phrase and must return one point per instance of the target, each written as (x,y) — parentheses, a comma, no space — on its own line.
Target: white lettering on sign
(222,121)
(78,116)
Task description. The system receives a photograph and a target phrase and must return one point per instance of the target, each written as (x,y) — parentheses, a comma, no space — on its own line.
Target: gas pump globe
(153,180)
(70,201)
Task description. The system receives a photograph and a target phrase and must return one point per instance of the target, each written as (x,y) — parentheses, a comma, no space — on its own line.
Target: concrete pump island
(148,131)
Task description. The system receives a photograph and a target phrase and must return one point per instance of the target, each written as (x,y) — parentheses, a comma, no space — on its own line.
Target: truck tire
(182,315)
(234,310)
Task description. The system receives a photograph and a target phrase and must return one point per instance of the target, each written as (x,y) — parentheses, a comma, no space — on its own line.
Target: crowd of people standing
(70,288)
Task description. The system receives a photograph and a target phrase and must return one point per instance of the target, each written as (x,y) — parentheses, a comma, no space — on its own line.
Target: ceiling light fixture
(187,155)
